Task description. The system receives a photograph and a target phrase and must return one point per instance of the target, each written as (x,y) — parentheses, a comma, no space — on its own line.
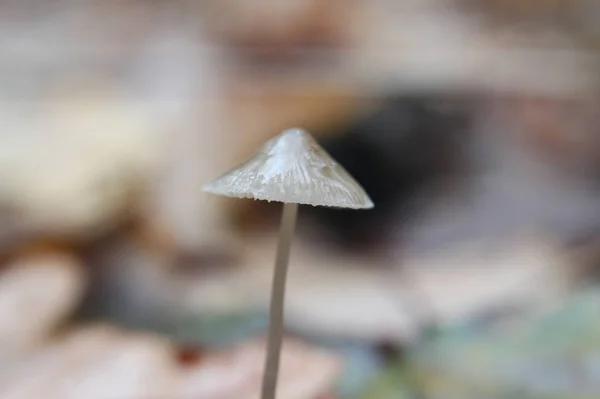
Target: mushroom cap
(293,168)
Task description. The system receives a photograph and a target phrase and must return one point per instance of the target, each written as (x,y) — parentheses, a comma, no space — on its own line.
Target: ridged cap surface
(293,168)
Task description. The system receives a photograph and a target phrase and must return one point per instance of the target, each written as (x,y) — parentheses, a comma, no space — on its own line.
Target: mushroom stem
(286,233)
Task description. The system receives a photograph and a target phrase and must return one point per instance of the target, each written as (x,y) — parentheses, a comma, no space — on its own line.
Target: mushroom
(291,168)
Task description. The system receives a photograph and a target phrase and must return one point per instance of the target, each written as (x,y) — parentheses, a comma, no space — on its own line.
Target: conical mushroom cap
(293,168)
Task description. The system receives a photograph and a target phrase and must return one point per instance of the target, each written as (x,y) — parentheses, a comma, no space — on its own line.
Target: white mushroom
(291,168)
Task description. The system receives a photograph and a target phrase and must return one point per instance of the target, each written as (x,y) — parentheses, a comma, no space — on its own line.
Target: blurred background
(472,125)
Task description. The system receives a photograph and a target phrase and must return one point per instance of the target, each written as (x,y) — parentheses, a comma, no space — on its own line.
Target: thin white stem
(276,318)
